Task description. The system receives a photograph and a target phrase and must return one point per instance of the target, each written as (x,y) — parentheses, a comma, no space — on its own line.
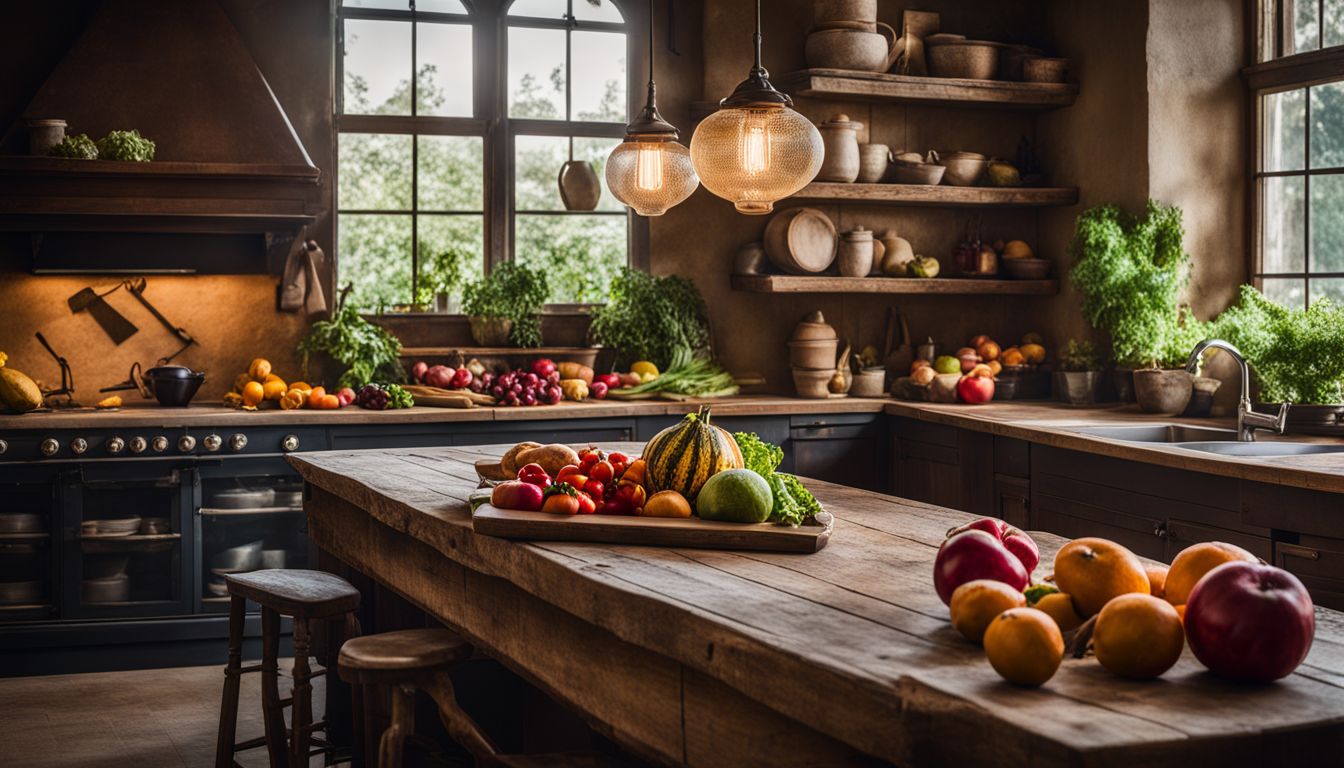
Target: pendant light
(756,150)
(650,170)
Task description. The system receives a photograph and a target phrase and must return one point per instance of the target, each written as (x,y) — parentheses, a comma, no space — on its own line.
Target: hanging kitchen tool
(67,389)
(579,187)
(135,380)
(117,327)
(898,353)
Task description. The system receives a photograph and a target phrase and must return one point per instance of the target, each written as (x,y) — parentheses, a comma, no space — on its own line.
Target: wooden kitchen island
(841,657)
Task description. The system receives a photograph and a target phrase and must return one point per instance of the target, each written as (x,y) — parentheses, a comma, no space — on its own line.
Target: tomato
(602,471)
(566,471)
(586,504)
(632,494)
(573,478)
(612,380)
(618,458)
(516,494)
(561,504)
(616,505)
(586,463)
(543,367)
(594,488)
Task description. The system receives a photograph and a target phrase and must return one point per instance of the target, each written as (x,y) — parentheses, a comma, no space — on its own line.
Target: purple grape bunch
(523,387)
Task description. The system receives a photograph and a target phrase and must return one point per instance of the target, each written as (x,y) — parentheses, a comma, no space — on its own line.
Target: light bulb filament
(755,147)
(649,168)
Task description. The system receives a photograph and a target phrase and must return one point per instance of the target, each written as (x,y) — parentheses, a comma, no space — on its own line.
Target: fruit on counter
(977,603)
(561,498)
(253,393)
(346,395)
(1157,579)
(598,390)
(611,380)
(274,387)
(947,364)
(1193,562)
(647,371)
(988,350)
(109,402)
(1016,249)
(574,389)
(374,397)
(293,400)
(968,359)
(629,379)
(1016,541)
(1138,636)
(571,370)
(517,494)
(1034,354)
(1033,338)
(1095,571)
(552,458)
(1059,606)
(667,504)
(1024,646)
(975,554)
(924,266)
(983,338)
(509,461)
(734,496)
(1012,357)
(1248,621)
(259,369)
(543,366)
(684,456)
(534,474)
(995,367)
(976,387)
(791,503)
(438,376)
(18,392)
(1003,174)
(418,371)
(923,377)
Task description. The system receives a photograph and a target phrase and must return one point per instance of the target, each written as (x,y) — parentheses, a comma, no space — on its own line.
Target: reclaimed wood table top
(852,640)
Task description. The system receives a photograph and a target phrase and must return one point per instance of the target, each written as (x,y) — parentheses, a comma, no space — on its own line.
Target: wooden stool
(307,596)
(419,659)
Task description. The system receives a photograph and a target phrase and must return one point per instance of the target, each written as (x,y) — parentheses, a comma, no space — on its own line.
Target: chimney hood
(227,158)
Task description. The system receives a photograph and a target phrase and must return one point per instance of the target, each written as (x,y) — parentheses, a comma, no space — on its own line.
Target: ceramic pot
(879,252)
(897,255)
(579,187)
(1163,391)
(855,256)
(489,331)
(1037,69)
(750,259)
(1077,387)
(873,162)
(840,136)
(1202,391)
(964,169)
(43,135)
(868,383)
(827,14)
(815,355)
(812,384)
(853,49)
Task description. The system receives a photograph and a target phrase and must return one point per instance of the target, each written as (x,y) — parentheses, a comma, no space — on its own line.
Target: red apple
(1017,541)
(1251,622)
(975,389)
(972,555)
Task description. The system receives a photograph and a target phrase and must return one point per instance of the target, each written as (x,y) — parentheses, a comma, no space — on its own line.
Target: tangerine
(1138,636)
(976,603)
(253,393)
(1024,645)
(1157,578)
(273,388)
(259,369)
(1059,606)
(1192,563)
(1093,571)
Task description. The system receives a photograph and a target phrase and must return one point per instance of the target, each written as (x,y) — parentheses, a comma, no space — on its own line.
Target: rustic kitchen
(672,382)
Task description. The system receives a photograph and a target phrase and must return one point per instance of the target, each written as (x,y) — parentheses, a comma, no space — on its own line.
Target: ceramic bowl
(917,173)
(813,384)
(1027,269)
(963,171)
(868,383)
(114,589)
(1036,69)
(963,59)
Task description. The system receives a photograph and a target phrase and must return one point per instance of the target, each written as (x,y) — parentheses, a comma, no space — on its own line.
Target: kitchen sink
(1261,449)
(1159,433)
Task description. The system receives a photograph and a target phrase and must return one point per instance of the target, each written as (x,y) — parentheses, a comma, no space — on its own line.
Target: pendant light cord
(756,38)
(652,85)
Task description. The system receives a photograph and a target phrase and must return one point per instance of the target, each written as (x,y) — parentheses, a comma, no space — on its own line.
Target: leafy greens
(650,318)
(368,352)
(793,504)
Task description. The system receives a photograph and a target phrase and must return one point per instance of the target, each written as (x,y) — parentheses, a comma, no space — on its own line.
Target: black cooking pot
(173,385)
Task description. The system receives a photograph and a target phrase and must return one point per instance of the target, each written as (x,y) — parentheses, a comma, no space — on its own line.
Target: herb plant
(126,145)
(368,352)
(650,318)
(1297,354)
(1079,357)
(511,290)
(1130,270)
(440,273)
(77,147)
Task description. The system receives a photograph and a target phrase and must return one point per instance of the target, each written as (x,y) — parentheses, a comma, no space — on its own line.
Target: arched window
(454,118)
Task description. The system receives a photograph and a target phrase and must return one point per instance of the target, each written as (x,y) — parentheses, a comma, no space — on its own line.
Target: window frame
(1279,69)
(490,21)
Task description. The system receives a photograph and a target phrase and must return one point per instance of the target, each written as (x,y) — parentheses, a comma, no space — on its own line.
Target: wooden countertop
(721,658)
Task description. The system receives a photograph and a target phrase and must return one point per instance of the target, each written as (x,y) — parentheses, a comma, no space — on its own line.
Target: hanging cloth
(301,286)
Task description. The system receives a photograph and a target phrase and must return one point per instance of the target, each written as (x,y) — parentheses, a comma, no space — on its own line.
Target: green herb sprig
(368,352)
(77,147)
(128,146)
(650,318)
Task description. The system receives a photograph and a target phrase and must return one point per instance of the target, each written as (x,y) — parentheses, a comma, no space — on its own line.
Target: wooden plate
(801,241)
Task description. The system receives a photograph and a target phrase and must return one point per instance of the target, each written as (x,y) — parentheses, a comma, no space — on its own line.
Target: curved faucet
(1248,420)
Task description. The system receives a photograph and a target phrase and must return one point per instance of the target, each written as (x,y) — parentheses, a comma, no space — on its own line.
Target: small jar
(855,256)
(840,136)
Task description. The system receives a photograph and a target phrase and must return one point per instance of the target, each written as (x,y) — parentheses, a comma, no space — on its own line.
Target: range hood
(227,158)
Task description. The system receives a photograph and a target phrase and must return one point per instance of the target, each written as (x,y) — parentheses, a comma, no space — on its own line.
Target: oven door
(249,516)
(29,562)
(125,531)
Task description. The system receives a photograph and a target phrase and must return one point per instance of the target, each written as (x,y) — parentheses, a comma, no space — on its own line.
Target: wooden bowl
(963,59)
(1027,269)
(917,173)
(1036,69)
(964,170)
(800,241)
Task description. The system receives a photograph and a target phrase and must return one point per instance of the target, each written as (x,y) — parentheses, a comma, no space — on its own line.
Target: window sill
(1296,71)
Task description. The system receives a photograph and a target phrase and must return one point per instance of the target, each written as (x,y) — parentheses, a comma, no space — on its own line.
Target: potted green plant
(649,318)
(441,280)
(504,307)
(1131,270)
(1078,374)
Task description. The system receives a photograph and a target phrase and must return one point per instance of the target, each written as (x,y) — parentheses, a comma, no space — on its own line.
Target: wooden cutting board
(653,531)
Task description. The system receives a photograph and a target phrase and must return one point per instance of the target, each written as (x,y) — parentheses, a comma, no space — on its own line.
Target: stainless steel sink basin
(1159,433)
(1261,449)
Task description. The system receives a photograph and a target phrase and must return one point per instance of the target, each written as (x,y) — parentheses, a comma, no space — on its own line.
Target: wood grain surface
(902,285)
(701,657)
(880,86)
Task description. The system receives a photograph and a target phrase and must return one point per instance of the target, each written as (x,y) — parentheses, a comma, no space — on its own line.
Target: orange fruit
(667,504)
(988,350)
(1180,611)
(1157,578)
(1024,646)
(916,365)
(976,603)
(259,369)
(1193,562)
(274,388)
(1093,571)
(293,399)
(327,403)
(995,367)
(1012,356)
(1059,606)
(1034,353)
(302,386)
(253,393)
(241,382)
(315,397)
(1138,636)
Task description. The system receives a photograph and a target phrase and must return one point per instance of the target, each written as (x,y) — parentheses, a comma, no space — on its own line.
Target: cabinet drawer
(1072,519)
(1183,533)
(1321,568)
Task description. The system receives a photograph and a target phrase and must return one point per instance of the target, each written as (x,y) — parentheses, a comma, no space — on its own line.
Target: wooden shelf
(894,285)
(132,538)
(878,86)
(24,536)
(219,512)
(940,195)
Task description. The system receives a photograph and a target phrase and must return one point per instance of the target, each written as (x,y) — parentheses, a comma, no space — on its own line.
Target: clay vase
(853,49)
(897,255)
(840,137)
(855,256)
(853,14)
(579,187)
(873,161)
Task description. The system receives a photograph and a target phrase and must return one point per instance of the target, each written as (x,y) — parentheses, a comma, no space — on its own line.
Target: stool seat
(400,655)
(301,594)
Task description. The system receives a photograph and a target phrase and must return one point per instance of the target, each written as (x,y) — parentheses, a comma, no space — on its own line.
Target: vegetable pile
(793,504)
(685,377)
(383,397)
(77,147)
(368,352)
(128,146)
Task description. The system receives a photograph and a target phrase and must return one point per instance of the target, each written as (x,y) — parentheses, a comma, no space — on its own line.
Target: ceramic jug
(579,187)
(854,49)
(855,256)
(840,136)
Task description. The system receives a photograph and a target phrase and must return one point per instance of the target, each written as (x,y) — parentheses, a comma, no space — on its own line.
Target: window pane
(451,253)
(1334,23)
(375,172)
(537,73)
(444,86)
(1306,26)
(377,67)
(1284,224)
(543,9)
(1327,223)
(597,10)
(441,6)
(580,254)
(599,85)
(1285,130)
(1327,125)
(1288,292)
(537,163)
(451,173)
(1331,288)
(374,253)
(395,5)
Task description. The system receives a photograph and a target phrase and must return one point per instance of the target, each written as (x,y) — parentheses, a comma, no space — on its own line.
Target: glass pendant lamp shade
(651,171)
(756,150)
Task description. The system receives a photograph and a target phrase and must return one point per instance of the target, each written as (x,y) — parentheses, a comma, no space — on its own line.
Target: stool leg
(403,725)
(301,716)
(359,758)
(228,707)
(272,713)
(460,725)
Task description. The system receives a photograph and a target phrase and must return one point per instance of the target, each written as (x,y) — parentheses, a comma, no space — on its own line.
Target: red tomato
(543,367)
(573,478)
(618,458)
(612,380)
(602,471)
(561,504)
(565,472)
(587,463)
(586,504)
(594,488)
(516,494)
(634,495)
